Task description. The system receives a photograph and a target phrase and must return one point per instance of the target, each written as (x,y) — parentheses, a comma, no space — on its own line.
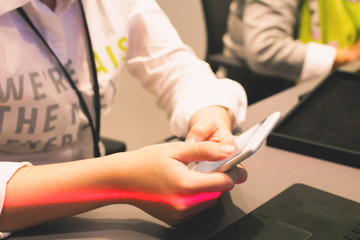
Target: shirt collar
(61,6)
(9,5)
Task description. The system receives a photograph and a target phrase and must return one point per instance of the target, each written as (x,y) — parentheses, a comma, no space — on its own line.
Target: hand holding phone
(245,145)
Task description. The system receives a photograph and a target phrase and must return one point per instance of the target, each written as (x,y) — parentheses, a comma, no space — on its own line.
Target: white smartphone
(246,145)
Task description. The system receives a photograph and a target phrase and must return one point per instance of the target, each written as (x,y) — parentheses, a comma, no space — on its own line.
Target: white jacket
(40,120)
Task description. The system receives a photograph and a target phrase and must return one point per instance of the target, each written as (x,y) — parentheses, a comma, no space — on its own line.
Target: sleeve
(270,46)
(181,83)
(319,61)
(7,170)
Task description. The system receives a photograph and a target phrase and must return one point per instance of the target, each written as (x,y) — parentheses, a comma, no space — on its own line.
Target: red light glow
(91,195)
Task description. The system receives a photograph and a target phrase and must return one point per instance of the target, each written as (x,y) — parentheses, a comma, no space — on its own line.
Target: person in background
(60,63)
(291,41)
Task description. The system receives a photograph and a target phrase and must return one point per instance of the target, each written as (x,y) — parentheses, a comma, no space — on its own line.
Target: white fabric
(4,235)
(38,99)
(7,169)
(319,60)
(10,5)
(40,119)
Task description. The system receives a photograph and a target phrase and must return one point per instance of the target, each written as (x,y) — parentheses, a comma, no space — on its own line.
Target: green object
(334,22)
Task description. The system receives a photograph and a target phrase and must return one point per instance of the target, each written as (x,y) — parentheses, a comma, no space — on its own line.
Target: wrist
(217,113)
(345,55)
(117,177)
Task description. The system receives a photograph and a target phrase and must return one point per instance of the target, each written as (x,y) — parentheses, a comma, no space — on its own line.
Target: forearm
(154,178)
(43,193)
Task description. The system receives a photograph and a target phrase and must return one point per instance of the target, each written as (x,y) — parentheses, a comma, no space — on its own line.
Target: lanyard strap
(95,129)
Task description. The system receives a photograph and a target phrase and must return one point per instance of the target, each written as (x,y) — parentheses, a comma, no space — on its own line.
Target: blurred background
(134,117)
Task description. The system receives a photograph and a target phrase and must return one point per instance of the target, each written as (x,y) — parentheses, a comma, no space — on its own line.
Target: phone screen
(245,145)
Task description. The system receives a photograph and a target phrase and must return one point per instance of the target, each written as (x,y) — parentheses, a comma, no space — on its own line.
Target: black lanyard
(95,129)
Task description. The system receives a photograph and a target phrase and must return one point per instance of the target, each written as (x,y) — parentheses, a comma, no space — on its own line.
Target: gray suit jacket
(262,35)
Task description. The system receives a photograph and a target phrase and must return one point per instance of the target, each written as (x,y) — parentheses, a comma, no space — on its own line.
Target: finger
(203,151)
(216,181)
(198,182)
(222,135)
(201,131)
(238,174)
(195,210)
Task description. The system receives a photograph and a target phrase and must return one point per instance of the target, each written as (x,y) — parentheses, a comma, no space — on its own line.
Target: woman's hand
(211,124)
(347,55)
(167,188)
(156,178)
